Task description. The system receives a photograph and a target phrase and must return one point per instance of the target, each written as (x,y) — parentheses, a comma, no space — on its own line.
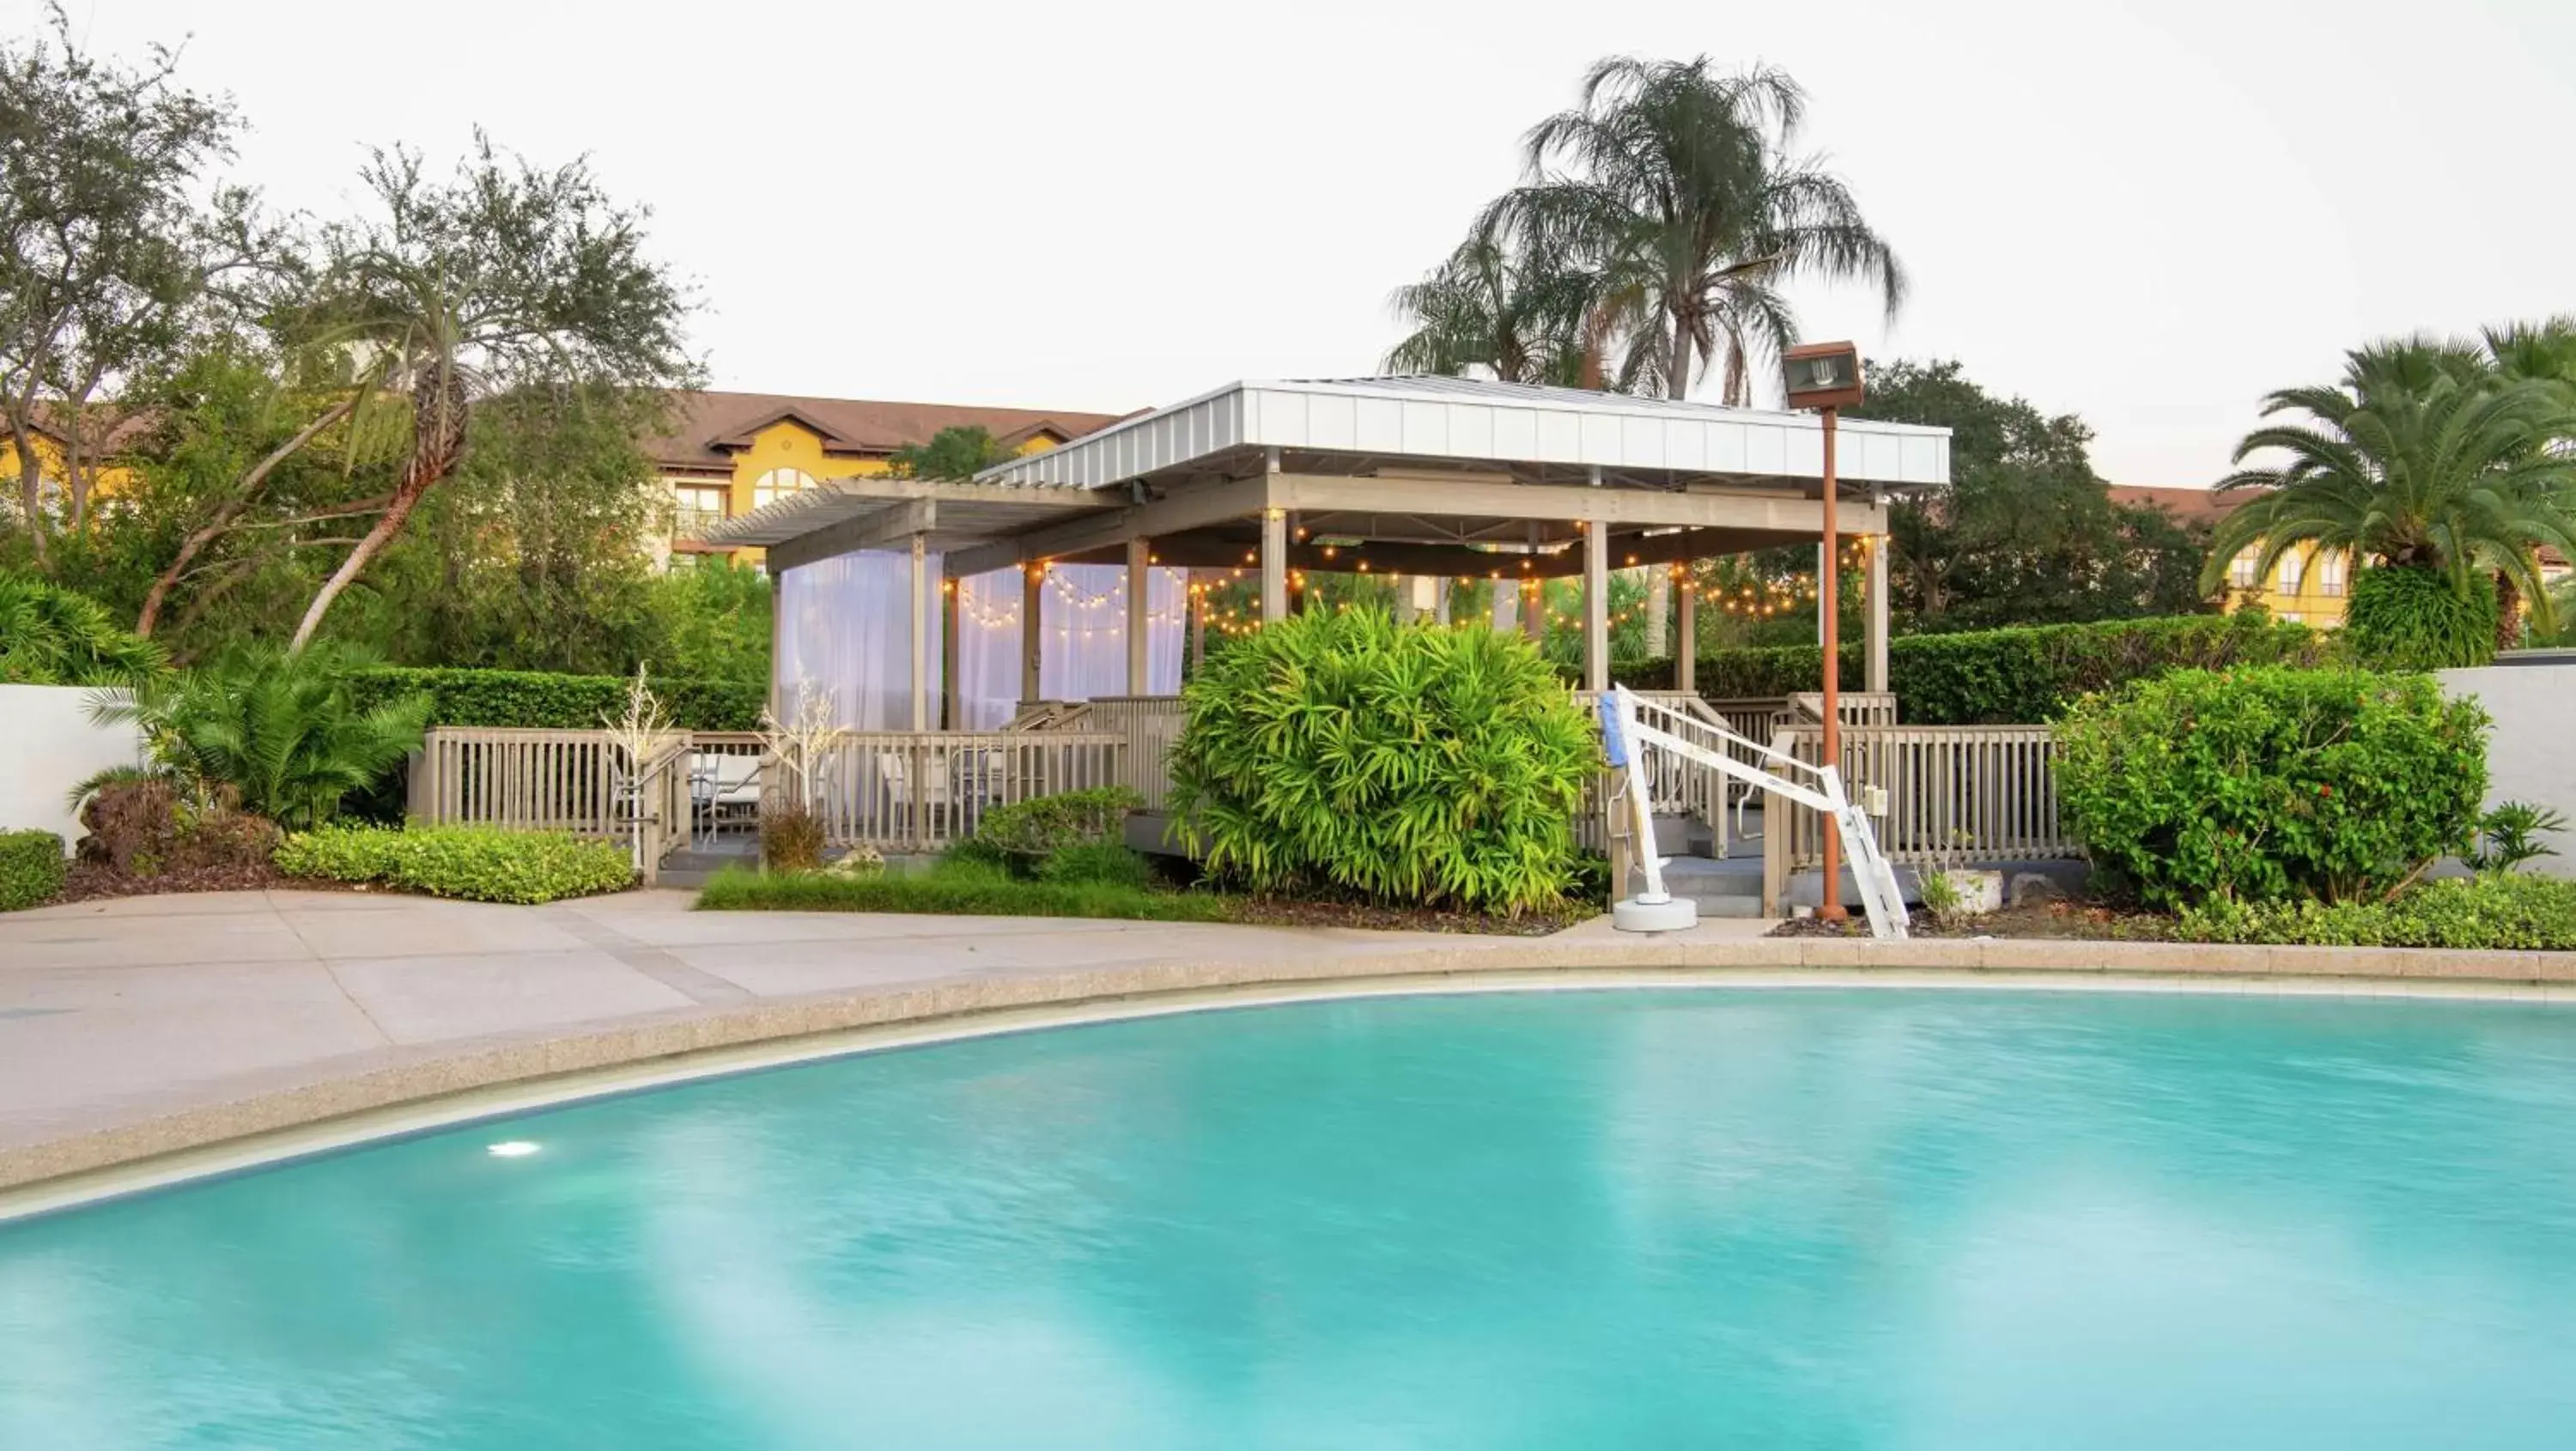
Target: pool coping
(252,1119)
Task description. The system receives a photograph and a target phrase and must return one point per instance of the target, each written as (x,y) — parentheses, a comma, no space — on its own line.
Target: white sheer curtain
(843,625)
(1083,610)
(842,622)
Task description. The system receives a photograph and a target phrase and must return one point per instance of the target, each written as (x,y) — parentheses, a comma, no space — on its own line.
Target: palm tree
(1502,305)
(2543,352)
(2423,458)
(1679,190)
(282,734)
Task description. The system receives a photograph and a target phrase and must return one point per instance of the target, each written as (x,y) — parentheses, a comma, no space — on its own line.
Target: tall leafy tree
(505,277)
(1681,189)
(2423,457)
(2025,532)
(959,452)
(111,246)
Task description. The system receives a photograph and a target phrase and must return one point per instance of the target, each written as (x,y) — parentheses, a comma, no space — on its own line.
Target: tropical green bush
(534,700)
(1026,833)
(31,868)
(2510,835)
(1412,764)
(279,735)
(2271,784)
(952,886)
(2009,677)
(53,636)
(1104,862)
(2419,619)
(475,863)
(2504,910)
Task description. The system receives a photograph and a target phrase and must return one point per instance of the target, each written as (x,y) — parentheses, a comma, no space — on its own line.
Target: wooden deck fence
(1953,792)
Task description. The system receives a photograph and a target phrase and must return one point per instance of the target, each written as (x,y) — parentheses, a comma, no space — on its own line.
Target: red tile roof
(2186,505)
(708,427)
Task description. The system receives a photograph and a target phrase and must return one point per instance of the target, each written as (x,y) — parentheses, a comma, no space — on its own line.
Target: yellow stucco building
(107,434)
(730,453)
(2306,587)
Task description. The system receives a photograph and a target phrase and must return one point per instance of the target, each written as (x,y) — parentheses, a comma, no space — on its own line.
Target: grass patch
(953,888)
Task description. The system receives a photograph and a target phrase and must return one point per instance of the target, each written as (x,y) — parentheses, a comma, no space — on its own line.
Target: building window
(2288,617)
(696,508)
(777,484)
(2292,567)
(2240,570)
(2330,568)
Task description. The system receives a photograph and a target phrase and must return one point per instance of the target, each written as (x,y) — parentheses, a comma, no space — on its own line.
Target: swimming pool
(1866,1219)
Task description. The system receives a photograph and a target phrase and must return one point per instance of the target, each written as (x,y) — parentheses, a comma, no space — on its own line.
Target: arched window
(777,484)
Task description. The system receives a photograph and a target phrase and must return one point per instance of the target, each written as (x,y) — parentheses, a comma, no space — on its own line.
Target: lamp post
(1826,377)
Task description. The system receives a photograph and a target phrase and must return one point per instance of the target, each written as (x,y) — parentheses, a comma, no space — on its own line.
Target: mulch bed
(94,881)
(1303,912)
(2051,919)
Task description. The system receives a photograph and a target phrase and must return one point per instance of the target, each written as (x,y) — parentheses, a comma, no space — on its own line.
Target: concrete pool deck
(143,1028)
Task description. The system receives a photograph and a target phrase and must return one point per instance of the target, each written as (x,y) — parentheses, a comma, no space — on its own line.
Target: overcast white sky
(2147,213)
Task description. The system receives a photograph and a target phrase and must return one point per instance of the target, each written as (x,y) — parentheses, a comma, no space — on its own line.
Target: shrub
(476,863)
(2271,784)
(791,837)
(53,636)
(1410,763)
(2416,619)
(144,823)
(1104,862)
(31,868)
(2009,677)
(2511,834)
(2461,913)
(951,888)
(1025,833)
(280,733)
(534,699)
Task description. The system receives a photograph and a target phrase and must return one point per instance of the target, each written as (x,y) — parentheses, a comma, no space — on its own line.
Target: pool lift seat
(1631,726)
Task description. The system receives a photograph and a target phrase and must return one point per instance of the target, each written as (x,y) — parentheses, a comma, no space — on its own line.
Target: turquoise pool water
(1922,1220)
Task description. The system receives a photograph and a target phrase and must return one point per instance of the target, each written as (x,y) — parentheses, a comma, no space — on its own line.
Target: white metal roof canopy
(1463,420)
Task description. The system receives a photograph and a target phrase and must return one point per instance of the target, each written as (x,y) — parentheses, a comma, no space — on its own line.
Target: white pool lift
(1630,727)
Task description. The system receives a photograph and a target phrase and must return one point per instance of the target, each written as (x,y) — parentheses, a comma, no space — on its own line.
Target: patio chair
(725,788)
(931,793)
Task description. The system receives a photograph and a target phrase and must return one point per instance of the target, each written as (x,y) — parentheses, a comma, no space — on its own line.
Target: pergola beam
(1178,512)
(1650,508)
(886,528)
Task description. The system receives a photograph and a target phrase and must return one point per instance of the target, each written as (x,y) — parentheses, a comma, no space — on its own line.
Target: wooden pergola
(1448,478)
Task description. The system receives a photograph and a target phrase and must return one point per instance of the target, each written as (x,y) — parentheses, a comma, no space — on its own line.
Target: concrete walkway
(114,1013)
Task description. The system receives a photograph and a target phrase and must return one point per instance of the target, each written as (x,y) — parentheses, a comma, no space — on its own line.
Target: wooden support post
(1274,565)
(1596,607)
(1198,619)
(920,632)
(1875,677)
(1032,632)
(1139,589)
(952,714)
(1686,632)
(1534,596)
(1440,589)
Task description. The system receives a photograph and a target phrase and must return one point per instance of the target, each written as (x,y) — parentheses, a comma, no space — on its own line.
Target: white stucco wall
(2531,754)
(50,746)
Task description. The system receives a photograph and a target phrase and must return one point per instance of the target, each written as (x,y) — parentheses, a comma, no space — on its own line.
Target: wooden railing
(1148,724)
(554,780)
(922,791)
(1954,794)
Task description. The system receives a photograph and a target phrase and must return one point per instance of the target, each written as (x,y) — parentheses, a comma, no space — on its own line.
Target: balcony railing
(691,522)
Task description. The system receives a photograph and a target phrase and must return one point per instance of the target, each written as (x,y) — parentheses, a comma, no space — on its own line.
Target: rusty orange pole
(1829,894)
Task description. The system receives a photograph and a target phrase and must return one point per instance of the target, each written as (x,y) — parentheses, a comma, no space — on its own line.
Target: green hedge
(2008,677)
(952,887)
(474,863)
(531,699)
(2463,913)
(2271,784)
(31,868)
